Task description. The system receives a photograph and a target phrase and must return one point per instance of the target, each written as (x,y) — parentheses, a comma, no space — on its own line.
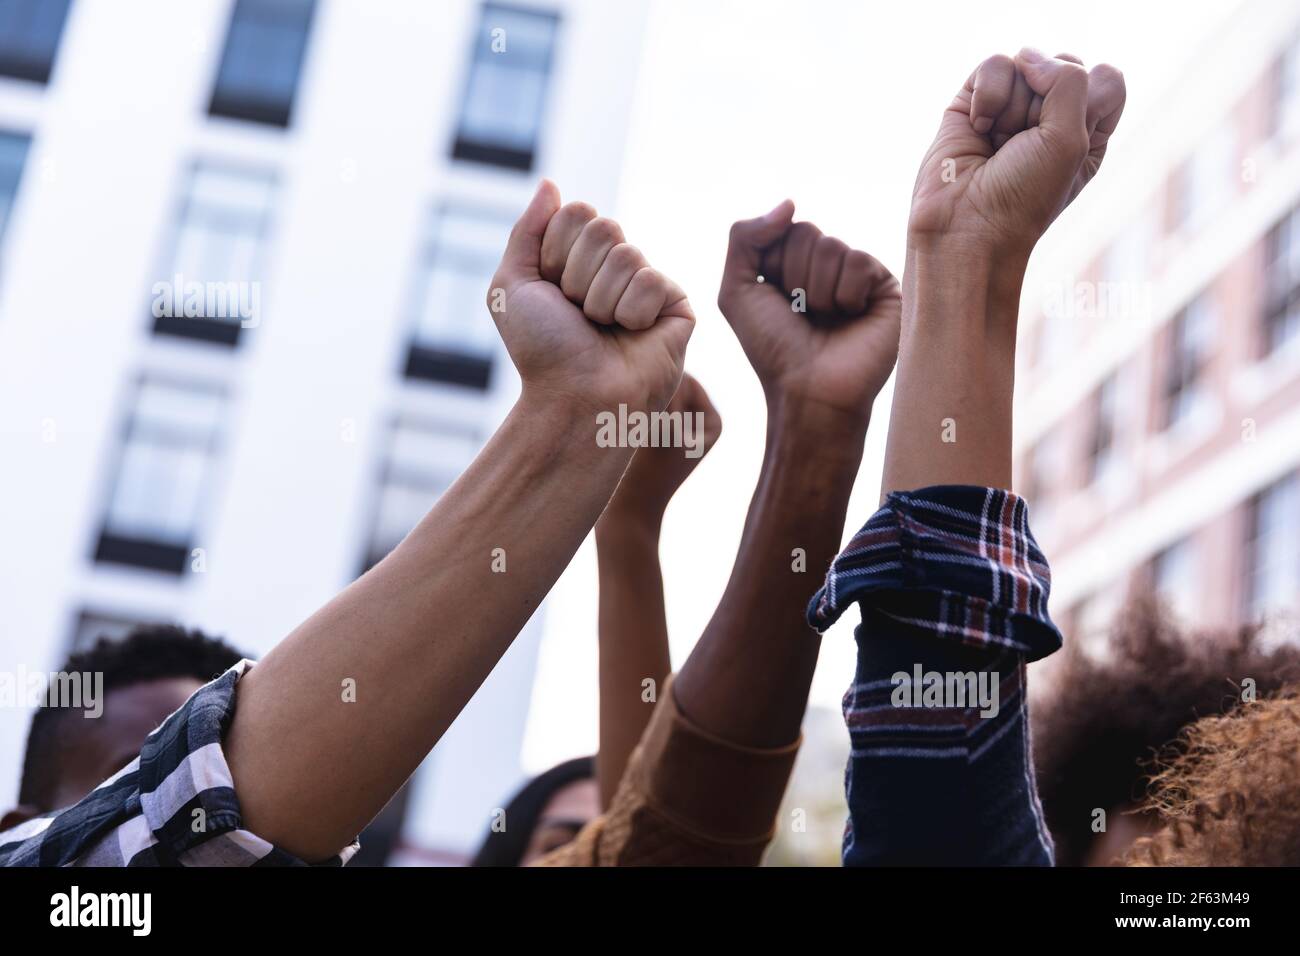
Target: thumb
(523,255)
(749,237)
(1064,88)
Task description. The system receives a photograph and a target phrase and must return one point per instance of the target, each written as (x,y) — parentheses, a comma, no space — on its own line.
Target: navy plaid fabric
(174,805)
(950,583)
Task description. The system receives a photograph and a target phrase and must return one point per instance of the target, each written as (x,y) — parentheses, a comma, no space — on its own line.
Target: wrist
(961,291)
(823,435)
(565,428)
(986,245)
(629,521)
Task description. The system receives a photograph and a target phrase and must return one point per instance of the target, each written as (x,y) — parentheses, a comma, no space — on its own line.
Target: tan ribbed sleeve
(687,799)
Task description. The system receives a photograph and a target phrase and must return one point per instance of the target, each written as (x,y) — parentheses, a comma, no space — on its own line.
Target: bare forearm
(747,679)
(951,420)
(633,639)
(314,761)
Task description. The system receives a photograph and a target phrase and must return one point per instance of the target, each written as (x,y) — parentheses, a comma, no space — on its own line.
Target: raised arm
(633,626)
(952,587)
(820,328)
(339,714)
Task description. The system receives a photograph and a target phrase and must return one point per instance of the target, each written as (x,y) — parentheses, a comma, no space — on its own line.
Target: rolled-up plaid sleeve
(953,593)
(174,805)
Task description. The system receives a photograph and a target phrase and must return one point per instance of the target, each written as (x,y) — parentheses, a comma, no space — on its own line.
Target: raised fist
(655,474)
(582,314)
(822,322)
(1017,144)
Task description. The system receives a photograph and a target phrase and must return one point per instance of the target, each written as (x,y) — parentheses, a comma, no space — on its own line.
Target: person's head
(1228,793)
(1095,737)
(547,813)
(146,676)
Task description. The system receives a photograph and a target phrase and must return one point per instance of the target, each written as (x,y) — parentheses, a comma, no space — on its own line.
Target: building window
(1173,576)
(1045,482)
(506,89)
(423,460)
(1286,98)
(29,37)
(261,61)
(1105,424)
(1191,342)
(211,288)
(91,626)
(13,153)
(167,453)
(454,338)
(1282,283)
(1275,549)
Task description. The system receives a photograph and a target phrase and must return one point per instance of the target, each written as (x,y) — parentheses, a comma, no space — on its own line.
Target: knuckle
(832,248)
(804,231)
(625,255)
(577,212)
(604,229)
(998,63)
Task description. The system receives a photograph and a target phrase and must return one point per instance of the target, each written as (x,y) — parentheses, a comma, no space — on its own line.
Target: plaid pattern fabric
(950,583)
(955,562)
(174,805)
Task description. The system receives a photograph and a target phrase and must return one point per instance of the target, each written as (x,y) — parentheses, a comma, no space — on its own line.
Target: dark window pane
(261,61)
(1191,344)
(1282,283)
(506,89)
(29,37)
(210,288)
(157,492)
(1274,548)
(13,153)
(454,339)
(423,459)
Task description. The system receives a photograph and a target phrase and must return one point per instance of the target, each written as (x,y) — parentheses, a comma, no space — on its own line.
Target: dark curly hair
(1095,738)
(149,652)
(1228,792)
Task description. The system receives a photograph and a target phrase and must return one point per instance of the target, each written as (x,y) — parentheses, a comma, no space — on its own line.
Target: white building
(349,168)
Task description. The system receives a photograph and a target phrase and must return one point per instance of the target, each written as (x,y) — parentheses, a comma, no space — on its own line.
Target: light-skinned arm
(416,636)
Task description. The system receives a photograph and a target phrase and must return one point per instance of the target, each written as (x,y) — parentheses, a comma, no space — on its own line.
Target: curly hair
(149,652)
(1228,792)
(1096,736)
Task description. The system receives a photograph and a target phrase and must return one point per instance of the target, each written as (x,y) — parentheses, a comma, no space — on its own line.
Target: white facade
(347,200)
(1179,224)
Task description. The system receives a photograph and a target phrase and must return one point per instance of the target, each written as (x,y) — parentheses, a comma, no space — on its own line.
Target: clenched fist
(583,315)
(1017,144)
(656,473)
(818,321)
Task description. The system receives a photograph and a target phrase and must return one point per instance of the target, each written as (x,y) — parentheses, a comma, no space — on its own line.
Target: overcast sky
(832,104)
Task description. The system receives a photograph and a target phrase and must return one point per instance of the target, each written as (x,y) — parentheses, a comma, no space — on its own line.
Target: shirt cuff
(687,798)
(186,791)
(955,562)
(715,789)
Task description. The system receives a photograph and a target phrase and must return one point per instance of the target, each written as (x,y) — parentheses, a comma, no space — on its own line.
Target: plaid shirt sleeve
(953,593)
(174,805)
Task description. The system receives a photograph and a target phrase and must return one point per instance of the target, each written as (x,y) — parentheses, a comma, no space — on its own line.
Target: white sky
(832,104)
